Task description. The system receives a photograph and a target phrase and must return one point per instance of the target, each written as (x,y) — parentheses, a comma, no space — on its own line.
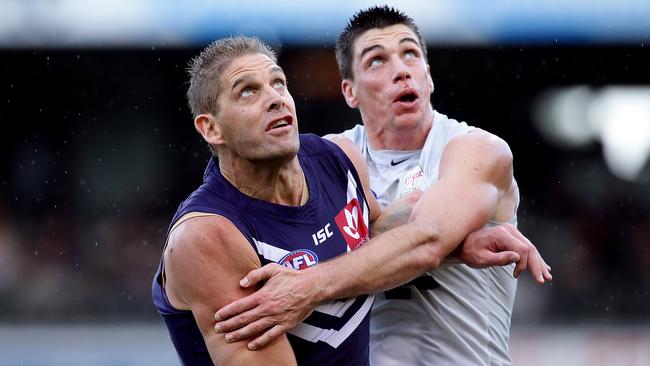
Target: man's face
(391,83)
(257,117)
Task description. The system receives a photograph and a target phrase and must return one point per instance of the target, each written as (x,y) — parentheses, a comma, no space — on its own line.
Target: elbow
(428,251)
(432,257)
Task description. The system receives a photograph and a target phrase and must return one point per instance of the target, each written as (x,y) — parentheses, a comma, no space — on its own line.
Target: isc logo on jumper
(350,222)
(322,234)
(299,259)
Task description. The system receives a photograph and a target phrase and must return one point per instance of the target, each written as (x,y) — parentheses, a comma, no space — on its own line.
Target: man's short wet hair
(205,69)
(364,20)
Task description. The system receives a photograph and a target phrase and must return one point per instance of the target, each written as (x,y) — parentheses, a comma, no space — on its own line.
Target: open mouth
(279,123)
(407,96)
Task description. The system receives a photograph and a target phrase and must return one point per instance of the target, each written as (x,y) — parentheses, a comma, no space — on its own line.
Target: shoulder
(214,195)
(479,153)
(356,134)
(323,150)
(445,128)
(311,145)
(210,236)
(481,143)
(200,250)
(348,147)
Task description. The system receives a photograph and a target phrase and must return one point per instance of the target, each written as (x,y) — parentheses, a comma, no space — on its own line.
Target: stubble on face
(256,111)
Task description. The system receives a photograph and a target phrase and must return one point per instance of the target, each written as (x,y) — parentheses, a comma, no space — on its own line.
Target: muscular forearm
(389,220)
(395,214)
(408,251)
(389,260)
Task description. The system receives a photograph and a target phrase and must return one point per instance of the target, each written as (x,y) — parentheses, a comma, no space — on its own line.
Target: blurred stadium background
(98,149)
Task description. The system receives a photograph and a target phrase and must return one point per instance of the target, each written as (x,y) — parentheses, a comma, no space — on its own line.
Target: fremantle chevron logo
(350,222)
(352,226)
(299,259)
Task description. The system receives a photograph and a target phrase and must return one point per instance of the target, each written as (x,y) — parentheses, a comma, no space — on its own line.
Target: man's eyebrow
(243,79)
(368,49)
(248,78)
(409,39)
(277,69)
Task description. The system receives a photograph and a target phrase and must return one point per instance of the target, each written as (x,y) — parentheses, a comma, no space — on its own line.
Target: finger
(499,258)
(253,329)
(260,274)
(538,268)
(238,321)
(524,262)
(237,307)
(548,276)
(546,273)
(268,337)
(536,265)
(547,270)
(509,242)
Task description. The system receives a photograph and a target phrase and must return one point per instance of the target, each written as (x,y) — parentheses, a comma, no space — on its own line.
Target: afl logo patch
(299,259)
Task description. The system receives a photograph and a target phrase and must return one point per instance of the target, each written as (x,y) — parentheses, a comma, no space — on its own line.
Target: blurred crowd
(99,150)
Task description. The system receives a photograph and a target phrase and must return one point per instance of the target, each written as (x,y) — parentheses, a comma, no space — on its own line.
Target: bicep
(455,207)
(473,176)
(205,260)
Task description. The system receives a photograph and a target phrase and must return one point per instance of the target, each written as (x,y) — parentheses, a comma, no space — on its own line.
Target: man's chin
(279,153)
(407,121)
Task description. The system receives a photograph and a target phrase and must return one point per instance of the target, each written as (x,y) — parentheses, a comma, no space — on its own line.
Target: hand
(501,245)
(286,299)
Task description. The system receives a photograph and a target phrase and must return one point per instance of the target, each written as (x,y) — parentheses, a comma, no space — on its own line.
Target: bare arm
(395,214)
(475,176)
(483,247)
(204,261)
(475,173)
(487,247)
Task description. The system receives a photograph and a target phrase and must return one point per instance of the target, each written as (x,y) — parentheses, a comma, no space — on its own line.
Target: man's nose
(401,71)
(276,100)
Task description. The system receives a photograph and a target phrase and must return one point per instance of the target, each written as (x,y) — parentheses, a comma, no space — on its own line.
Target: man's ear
(347,87)
(206,124)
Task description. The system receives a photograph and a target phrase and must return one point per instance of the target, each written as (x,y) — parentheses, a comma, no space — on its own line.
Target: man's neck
(385,138)
(281,183)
